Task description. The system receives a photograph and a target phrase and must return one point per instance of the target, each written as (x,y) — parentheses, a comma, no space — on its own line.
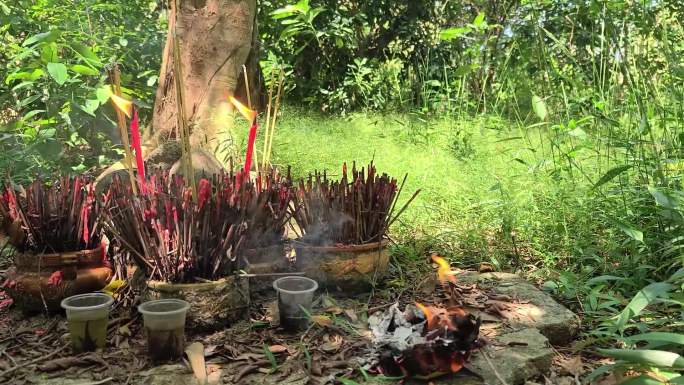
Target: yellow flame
(444,271)
(427,313)
(123,105)
(248,113)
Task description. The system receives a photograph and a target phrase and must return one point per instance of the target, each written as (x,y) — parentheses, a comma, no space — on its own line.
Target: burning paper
(424,341)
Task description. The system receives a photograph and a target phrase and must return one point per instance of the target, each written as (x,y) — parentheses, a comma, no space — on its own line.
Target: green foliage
(55,55)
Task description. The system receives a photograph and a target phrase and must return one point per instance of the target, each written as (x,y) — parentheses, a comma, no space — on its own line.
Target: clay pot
(37,281)
(350,269)
(215,304)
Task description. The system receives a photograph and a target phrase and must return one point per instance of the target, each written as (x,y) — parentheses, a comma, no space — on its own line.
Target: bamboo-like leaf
(662,198)
(674,338)
(642,380)
(271,358)
(642,299)
(659,358)
(611,174)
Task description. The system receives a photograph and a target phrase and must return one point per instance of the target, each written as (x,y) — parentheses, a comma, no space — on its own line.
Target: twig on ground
(32,362)
(489,362)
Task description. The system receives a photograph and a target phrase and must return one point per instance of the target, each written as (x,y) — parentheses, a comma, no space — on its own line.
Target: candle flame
(246,112)
(123,105)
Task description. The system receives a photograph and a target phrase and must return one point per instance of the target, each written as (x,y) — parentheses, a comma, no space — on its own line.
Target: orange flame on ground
(123,105)
(436,317)
(428,315)
(444,272)
(456,365)
(246,112)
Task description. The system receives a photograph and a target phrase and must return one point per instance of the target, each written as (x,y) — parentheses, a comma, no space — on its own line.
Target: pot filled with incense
(55,236)
(343,225)
(187,241)
(267,217)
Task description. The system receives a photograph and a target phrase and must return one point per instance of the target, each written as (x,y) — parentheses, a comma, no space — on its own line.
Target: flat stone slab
(516,357)
(536,309)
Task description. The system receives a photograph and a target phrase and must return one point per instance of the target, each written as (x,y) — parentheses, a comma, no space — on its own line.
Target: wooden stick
(275,114)
(249,275)
(34,361)
(121,123)
(268,118)
(186,157)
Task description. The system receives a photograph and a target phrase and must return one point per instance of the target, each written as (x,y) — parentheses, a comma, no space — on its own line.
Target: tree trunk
(215,38)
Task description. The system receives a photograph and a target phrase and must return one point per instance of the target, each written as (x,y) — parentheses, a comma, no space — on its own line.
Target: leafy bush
(54,95)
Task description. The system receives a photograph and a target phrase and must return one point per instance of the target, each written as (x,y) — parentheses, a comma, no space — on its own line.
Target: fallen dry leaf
(351,314)
(215,373)
(68,362)
(334,310)
(332,344)
(321,320)
(249,357)
(276,349)
(125,331)
(573,366)
(210,350)
(195,354)
(486,267)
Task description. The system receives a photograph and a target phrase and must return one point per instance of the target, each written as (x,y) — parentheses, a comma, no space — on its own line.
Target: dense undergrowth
(547,136)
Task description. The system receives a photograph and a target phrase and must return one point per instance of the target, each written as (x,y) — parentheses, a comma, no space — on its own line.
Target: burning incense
(175,239)
(349,211)
(52,218)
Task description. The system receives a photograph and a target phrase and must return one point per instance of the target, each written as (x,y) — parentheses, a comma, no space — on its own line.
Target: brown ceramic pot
(350,269)
(39,281)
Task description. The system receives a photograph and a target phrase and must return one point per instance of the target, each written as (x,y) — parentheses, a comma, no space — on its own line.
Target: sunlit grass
(474,192)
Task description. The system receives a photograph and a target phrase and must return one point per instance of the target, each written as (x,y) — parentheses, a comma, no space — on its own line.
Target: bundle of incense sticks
(349,211)
(268,212)
(51,218)
(177,239)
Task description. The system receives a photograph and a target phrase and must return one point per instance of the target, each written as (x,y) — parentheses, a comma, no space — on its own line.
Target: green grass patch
(482,196)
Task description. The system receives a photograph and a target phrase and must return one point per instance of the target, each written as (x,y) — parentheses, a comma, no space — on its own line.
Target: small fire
(444,272)
(441,318)
(428,315)
(246,112)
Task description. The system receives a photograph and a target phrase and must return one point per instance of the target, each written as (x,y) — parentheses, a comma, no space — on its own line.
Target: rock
(538,311)
(515,363)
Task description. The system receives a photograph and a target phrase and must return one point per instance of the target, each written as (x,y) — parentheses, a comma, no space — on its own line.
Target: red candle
(250,115)
(250,146)
(135,141)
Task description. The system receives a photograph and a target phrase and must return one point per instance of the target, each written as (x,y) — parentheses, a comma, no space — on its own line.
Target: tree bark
(215,38)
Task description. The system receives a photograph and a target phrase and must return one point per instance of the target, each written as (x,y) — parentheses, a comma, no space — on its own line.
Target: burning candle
(135,139)
(250,115)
